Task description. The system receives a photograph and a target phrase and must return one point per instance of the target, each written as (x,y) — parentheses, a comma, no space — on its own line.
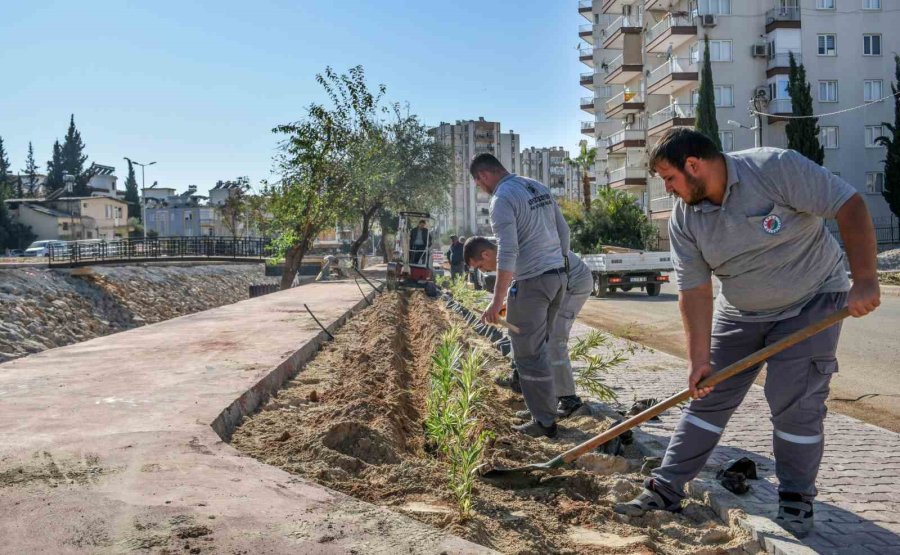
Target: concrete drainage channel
(352,420)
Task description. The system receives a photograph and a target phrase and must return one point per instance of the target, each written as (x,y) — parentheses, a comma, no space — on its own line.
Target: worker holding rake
(755,219)
(532,238)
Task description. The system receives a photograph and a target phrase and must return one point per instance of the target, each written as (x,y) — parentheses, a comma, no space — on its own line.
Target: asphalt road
(868,353)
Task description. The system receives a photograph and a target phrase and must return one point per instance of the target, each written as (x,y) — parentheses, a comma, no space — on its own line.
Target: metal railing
(620,174)
(780,106)
(619,22)
(585,28)
(667,23)
(585,52)
(887,230)
(660,200)
(622,98)
(782,59)
(671,112)
(587,101)
(672,65)
(588,126)
(586,78)
(583,4)
(625,135)
(162,248)
(614,64)
(788,13)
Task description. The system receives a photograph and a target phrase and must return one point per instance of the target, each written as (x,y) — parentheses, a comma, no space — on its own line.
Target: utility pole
(143,197)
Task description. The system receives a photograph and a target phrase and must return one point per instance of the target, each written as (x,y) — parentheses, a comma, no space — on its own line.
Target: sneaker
(647,501)
(567,405)
(536,429)
(794,514)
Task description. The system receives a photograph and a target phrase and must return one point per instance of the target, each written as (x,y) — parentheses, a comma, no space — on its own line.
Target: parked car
(14,253)
(42,248)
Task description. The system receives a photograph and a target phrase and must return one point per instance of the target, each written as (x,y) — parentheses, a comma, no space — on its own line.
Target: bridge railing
(76,253)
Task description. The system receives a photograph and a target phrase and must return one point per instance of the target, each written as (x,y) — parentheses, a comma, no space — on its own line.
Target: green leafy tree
(706,121)
(74,159)
(234,211)
(30,171)
(892,144)
(802,133)
(585,162)
(55,170)
(13,235)
(131,194)
(314,189)
(614,219)
(388,221)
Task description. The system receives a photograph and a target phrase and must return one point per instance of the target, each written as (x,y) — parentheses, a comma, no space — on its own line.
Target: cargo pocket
(820,373)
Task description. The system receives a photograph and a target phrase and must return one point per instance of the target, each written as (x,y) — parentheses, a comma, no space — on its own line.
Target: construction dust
(352,421)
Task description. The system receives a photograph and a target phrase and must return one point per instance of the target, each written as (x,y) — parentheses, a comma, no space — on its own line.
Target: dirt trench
(352,420)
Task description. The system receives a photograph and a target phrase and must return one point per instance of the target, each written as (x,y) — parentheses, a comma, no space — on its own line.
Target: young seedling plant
(590,376)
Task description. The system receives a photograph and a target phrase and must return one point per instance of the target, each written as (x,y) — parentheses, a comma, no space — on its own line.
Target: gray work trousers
(558,346)
(532,305)
(796,388)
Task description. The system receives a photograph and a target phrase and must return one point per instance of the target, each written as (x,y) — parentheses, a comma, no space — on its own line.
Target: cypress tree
(131,194)
(5,179)
(706,122)
(802,134)
(892,144)
(30,172)
(73,158)
(55,170)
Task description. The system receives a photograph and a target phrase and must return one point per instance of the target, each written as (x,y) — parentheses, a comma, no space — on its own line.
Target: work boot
(523,414)
(567,405)
(511,381)
(647,501)
(795,514)
(536,429)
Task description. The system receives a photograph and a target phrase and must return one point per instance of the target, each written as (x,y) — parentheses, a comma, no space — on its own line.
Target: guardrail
(670,112)
(667,23)
(673,65)
(782,59)
(160,248)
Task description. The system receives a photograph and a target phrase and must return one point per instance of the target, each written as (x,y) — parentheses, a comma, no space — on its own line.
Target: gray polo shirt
(532,234)
(767,243)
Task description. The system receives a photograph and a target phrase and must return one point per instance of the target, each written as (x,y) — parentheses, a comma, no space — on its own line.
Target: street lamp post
(69,186)
(143,195)
(758,104)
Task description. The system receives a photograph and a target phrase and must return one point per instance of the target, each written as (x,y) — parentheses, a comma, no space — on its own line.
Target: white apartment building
(548,165)
(644,58)
(469,207)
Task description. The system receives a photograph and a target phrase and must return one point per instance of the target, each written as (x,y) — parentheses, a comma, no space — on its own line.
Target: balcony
(586,56)
(625,138)
(586,32)
(588,127)
(624,103)
(587,80)
(673,115)
(671,30)
(587,104)
(586,9)
(615,6)
(614,34)
(672,76)
(628,178)
(660,200)
(782,18)
(780,63)
(618,72)
(779,107)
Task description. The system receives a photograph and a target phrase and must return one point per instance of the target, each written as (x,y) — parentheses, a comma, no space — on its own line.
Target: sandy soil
(352,420)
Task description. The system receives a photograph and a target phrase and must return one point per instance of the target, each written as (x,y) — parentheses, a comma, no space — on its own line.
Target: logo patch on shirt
(771,224)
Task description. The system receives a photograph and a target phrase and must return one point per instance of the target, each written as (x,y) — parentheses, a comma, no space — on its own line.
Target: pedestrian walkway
(858,507)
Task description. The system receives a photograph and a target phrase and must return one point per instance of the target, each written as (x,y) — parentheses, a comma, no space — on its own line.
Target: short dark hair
(678,144)
(476,245)
(453,237)
(421,221)
(485,162)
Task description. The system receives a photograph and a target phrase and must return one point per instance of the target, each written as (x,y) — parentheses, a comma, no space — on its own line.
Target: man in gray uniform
(480,253)
(755,219)
(531,239)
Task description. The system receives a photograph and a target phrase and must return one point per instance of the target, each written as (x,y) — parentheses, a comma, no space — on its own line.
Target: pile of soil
(352,421)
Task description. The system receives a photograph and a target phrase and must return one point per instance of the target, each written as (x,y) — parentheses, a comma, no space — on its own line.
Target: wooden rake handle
(511,327)
(729,371)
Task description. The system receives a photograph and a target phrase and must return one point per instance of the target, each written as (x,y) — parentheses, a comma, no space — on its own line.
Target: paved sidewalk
(116,444)
(858,507)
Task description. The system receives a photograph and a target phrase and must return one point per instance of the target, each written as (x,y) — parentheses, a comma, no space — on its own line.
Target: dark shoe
(794,514)
(511,381)
(647,501)
(567,405)
(536,429)
(523,414)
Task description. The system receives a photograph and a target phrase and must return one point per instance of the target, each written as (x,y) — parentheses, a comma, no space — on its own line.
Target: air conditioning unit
(708,20)
(760,50)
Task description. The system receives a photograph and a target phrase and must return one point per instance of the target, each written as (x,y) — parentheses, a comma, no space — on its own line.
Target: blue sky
(197,86)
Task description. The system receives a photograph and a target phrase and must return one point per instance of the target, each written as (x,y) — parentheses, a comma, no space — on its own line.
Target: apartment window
(719,7)
(727,140)
(874,182)
(779,89)
(872,45)
(871,4)
(872,90)
(872,133)
(827,44)
(828,137)
(824,4)
(720,51)
(723,94)
(828,91)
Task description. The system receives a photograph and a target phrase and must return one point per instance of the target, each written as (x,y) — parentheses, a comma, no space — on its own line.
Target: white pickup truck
(628,270)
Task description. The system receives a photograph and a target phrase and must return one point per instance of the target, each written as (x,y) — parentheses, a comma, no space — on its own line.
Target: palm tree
(585,163)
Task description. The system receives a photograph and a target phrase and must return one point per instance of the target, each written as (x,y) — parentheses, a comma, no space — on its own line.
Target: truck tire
(653,289)
(601,286)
